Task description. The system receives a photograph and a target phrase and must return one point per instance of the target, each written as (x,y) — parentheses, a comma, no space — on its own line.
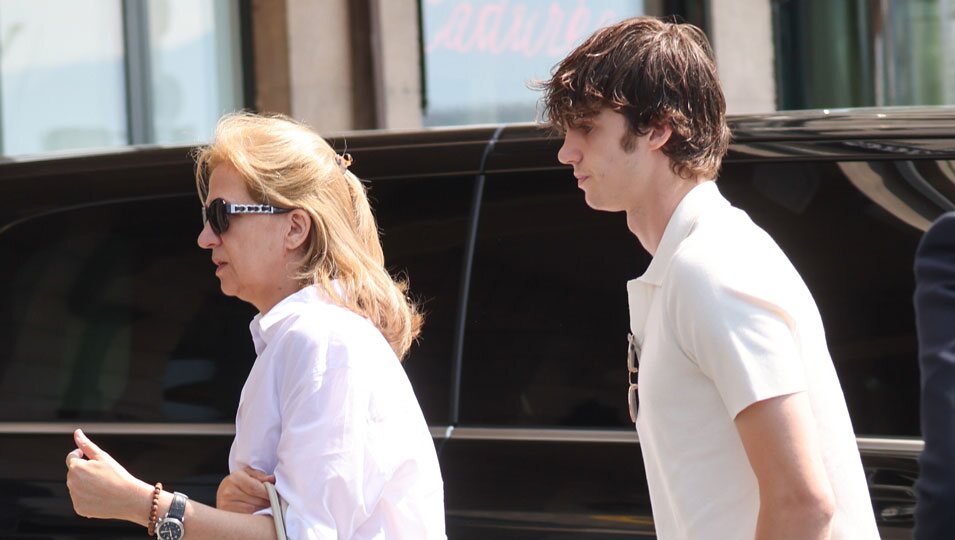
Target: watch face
(170,529)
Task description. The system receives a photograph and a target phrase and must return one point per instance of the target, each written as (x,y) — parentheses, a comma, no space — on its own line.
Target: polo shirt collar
(696,202)
(640,290)
(265,325)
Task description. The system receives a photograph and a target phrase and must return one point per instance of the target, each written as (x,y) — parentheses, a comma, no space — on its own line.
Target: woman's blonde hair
(284,163)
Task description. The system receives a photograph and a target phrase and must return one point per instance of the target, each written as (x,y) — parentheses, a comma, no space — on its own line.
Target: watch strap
(177,509)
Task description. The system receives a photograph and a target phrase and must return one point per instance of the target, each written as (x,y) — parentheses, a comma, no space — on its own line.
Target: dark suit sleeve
(935,323)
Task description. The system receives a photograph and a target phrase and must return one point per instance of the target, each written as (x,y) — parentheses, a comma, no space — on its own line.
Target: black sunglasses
(219,210)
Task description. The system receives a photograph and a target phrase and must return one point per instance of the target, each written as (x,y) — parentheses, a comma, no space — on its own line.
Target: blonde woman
(327,411)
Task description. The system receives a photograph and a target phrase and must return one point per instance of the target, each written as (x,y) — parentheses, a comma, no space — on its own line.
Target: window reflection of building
(863,53)
(61,75)
(105,73)
(195,67)
(480,55)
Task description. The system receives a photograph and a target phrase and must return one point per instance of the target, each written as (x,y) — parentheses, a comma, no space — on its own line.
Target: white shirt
(724,321)
(329,410)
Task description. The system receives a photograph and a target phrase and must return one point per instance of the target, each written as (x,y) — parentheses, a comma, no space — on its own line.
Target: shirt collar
(696,202)
(640,291)
(263,325)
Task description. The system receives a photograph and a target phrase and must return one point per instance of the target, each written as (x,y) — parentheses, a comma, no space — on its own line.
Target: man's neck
(648,220)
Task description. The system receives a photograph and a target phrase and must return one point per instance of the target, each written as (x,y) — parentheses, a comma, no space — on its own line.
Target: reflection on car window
(424,225)
(548,318)
(547,324)
(113,313)
(856,258)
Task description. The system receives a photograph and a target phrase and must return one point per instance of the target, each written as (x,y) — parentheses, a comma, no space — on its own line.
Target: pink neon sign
(528,28)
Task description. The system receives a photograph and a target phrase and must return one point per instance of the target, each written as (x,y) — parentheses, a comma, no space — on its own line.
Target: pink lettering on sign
(549,33)
(504,27)
(577,24)
(519,37)
(450,35)
(488,25)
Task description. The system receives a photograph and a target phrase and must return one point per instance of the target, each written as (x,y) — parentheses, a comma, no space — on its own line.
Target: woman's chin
(227,288)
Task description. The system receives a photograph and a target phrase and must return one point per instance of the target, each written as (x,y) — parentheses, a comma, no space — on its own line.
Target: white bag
(279,507)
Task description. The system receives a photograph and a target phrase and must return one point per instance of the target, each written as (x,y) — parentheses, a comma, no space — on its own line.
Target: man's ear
(659,135)
(300,223)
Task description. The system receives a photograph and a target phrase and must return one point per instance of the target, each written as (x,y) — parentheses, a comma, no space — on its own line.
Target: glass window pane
(61,75)
(919,70)
(852,54)
(119,316)
(547,314)
(424,241)
(480,54)
(195,67)
(856,257)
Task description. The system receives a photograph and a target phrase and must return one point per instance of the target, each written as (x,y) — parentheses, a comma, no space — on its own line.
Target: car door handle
(899,512)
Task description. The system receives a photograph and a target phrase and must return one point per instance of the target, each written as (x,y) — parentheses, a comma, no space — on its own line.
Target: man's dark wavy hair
(652,72)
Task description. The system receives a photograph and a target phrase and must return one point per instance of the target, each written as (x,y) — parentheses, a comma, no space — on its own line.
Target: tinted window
(424,226)
(548,315)
(112,312)
(547,320)
(856,257)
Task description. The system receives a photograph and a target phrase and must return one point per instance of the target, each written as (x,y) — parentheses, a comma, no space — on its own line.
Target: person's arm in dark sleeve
(935,323)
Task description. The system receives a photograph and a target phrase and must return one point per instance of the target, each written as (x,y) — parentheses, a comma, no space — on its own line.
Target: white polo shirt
(329,410)
(723,321)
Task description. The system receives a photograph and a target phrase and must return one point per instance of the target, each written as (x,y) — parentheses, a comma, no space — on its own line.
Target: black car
(112,320)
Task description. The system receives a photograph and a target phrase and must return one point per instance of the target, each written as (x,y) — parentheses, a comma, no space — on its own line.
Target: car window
(547,322)
(856,257)
(548,316)
(424,225)
(112,312)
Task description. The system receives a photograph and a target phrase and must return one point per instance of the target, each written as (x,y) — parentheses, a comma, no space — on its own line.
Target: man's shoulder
(945,220)
(726,245)
(935,260)
(935,255)
(942,231)
(732,255)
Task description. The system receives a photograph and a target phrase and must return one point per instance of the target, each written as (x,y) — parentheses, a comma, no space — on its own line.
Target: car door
(544,447)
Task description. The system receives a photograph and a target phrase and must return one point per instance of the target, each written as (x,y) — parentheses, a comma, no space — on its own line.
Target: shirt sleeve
(737,332)
(323,471)
(935,323)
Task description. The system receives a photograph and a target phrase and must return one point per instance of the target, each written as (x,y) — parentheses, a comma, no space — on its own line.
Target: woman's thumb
(86,445)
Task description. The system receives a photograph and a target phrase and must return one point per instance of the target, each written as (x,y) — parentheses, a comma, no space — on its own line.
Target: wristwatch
(171,526)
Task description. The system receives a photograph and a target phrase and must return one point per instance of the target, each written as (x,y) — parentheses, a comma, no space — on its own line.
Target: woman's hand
(101,488)
(243,492)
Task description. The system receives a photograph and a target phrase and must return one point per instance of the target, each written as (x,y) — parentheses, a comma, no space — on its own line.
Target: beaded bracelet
(154,511)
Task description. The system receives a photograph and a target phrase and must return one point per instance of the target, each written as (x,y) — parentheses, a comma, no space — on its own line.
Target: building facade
(102,73)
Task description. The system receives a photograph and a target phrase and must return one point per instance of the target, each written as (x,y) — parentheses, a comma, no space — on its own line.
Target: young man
(742,421)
